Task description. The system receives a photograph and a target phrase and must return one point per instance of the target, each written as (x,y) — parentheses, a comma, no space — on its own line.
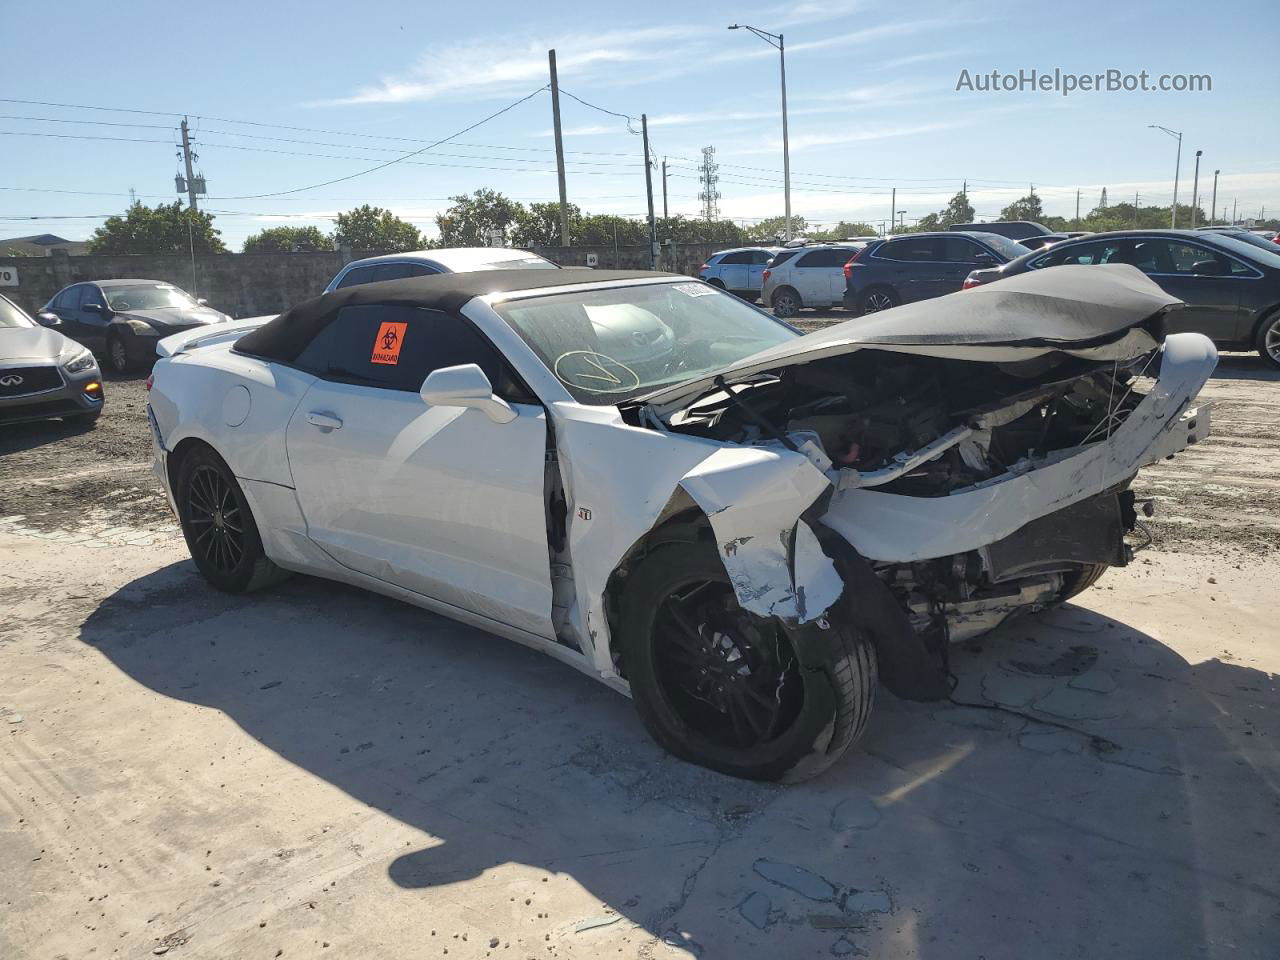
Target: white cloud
(499,68)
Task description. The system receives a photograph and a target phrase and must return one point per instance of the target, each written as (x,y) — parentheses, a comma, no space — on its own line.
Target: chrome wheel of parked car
(873,301)
(1269,339)
(118,354)
(786,303)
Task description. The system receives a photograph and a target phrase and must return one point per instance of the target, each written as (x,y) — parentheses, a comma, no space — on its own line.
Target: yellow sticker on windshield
(387,344)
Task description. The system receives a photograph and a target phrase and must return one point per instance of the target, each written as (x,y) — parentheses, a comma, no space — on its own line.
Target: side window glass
(69,299)
(392,271)
(760,257)
(92,295)
(959,250)
(356,277)
(741,257)
(812,259)
(396,346)
(421,270)
(914,251)
(1192,259)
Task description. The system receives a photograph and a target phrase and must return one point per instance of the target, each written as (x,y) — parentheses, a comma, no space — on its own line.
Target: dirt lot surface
(318,772)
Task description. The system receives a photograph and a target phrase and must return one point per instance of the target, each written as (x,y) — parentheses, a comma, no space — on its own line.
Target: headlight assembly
(79,361)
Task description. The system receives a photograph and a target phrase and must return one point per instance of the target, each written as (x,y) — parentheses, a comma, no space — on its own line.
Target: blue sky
(872,96)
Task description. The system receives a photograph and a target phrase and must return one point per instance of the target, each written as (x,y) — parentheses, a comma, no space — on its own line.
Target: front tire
(219,526)
(726,689)
(1268,342)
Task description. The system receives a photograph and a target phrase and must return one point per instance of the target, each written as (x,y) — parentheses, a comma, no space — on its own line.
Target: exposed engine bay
(931,427)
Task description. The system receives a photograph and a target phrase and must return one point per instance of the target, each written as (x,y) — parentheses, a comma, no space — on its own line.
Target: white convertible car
(745,528)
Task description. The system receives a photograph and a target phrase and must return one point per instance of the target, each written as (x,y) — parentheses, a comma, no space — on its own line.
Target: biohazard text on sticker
(387,344)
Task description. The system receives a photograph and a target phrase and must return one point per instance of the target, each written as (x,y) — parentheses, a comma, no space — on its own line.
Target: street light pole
(1195,191)
(1177,166)
(775,40)
(1213,204)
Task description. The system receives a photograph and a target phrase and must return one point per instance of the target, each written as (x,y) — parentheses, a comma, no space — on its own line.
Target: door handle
(325,421)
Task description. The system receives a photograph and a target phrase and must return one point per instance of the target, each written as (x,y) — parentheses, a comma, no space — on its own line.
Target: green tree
(773,228)
(469,219)
(164,228)
(1024,208)
(959,210)
(603,229)
(288,240)
(539,225)
(375,228)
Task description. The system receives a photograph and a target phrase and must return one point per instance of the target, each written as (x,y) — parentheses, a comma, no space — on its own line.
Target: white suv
(808,276)
(421,263)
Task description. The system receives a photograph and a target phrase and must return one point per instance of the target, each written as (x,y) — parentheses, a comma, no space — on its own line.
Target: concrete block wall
(251,284)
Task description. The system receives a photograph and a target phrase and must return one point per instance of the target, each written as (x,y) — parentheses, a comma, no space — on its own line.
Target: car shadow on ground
(17,437)
(950,831)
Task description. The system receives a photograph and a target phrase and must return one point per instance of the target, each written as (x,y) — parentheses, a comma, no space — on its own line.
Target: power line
(394,160)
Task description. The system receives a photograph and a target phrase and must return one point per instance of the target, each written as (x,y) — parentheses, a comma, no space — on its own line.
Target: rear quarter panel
(238,405)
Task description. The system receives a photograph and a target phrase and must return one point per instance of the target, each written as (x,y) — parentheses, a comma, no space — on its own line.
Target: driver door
(438,500)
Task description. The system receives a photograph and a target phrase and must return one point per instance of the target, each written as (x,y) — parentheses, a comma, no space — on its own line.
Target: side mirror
(1207,268)
(48,319)
(465,386)
(93,308)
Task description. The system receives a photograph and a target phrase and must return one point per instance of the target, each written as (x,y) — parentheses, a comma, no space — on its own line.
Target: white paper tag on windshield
(696,289)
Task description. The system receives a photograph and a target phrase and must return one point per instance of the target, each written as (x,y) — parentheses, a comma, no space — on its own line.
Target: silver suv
(808,276)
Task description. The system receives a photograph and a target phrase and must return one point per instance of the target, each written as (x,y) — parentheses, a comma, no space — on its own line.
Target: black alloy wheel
(214,513)
(724,672)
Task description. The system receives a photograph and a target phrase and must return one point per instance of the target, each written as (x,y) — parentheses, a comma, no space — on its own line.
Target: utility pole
(902,219)
(1233,211)
(665,215)
(775,40)
(1177,167)
(1077,208)
(1135,209)
(893,206)
(1195,191)
(555,119)
(648,188)
(186,159)
(1213,204)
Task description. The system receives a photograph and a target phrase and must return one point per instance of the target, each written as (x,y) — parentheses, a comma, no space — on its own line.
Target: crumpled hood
(1061,308)
(165,318)
(32,343)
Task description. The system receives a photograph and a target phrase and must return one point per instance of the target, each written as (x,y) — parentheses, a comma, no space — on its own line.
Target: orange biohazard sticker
(387,344)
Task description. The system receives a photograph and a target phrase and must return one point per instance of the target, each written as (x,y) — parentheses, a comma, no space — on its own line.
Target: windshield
(146,296)
(1010,249)
(1252,246)
(607,346)
(12,316)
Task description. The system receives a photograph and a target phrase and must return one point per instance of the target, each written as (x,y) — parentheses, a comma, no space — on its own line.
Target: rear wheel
(786,303)
(877,299)
(724,688)
(1269,339)
(219,527)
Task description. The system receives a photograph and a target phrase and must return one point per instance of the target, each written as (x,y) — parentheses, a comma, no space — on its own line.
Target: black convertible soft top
(288,334)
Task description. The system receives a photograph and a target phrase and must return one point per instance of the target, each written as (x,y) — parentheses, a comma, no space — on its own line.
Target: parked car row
(1230,286)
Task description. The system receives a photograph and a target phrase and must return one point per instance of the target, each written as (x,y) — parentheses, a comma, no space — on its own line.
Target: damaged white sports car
(745,528)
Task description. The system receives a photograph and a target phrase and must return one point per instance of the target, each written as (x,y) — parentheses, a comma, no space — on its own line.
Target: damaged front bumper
(892,528)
